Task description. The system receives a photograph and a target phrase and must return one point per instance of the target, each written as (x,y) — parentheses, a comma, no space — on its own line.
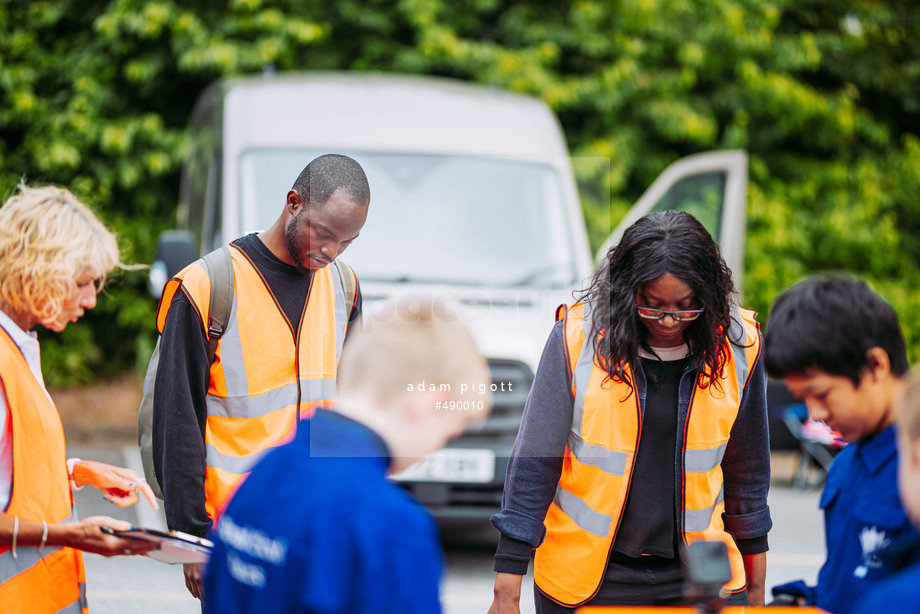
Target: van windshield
(437,219)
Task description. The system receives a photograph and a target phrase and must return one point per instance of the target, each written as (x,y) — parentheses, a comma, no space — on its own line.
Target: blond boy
(902,592)
(317,527)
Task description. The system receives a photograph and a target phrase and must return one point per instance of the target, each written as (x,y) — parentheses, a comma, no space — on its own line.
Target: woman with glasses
(645,430)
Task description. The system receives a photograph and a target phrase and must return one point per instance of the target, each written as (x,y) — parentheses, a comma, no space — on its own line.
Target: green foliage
(823,94)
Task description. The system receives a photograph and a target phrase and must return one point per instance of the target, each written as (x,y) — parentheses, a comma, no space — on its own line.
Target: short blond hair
(909,405)
(413,342)
(48,239)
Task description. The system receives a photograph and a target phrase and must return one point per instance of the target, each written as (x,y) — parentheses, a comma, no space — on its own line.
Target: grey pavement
(137,585)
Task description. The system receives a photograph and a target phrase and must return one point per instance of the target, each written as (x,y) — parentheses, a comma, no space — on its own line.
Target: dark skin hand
(194,579)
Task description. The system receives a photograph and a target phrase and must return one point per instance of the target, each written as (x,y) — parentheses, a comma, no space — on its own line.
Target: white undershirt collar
(666,354)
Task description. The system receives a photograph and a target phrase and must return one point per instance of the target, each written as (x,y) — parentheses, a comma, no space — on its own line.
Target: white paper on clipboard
(174,546)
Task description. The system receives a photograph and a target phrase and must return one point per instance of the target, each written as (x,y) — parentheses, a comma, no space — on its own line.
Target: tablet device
(173,546)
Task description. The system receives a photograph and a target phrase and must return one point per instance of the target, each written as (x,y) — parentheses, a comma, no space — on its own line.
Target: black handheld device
(708,568)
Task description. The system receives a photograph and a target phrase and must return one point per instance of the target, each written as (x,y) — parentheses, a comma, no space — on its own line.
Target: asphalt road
(137,585)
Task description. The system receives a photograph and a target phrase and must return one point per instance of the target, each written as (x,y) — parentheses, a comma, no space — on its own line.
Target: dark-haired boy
(839,348)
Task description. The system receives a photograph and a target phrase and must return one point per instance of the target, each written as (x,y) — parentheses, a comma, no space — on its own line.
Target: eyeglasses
(684,315)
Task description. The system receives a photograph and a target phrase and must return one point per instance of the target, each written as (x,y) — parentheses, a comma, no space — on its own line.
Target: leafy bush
(822,93)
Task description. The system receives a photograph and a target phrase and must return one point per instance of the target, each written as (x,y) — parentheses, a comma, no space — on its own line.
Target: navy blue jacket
(317,527)
(869,537)
(899,594)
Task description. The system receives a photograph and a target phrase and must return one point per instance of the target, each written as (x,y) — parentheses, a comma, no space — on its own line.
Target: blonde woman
(54,257)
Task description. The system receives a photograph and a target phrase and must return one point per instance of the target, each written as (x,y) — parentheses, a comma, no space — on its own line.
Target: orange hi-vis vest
(582,521)
(51,579)
(265,375)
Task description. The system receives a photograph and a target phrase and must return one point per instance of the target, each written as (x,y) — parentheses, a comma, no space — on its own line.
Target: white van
(472,199)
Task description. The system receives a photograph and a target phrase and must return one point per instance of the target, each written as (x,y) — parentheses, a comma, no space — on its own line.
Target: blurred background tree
(823,94)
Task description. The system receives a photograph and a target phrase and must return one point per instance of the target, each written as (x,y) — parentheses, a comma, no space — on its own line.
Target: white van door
(710,186)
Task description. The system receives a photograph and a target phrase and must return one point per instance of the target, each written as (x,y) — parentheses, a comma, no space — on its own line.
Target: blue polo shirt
(868,536)
(900,594)
(317,528)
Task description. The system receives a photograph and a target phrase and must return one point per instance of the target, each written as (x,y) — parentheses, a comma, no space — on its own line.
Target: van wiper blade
(405,279)
(543,272)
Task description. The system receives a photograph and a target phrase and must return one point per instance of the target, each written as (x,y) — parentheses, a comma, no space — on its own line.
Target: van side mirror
(176,249)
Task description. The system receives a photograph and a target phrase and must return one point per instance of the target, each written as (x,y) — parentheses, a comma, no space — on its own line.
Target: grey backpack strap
(145,422)
(349,284)
(220,272)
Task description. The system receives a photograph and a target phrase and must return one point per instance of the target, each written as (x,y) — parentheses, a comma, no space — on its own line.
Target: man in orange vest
(277,359)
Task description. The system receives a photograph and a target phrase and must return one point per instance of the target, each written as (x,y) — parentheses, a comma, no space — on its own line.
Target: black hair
(829,322)
(667,242)
(326,174)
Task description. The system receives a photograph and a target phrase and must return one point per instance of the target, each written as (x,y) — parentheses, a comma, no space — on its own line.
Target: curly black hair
(667,242)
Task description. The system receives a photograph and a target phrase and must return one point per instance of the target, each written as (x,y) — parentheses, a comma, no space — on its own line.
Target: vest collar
(27,342)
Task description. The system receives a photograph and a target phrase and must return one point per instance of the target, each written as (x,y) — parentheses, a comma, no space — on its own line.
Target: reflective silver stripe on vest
(703,461)
(697,521)
(273,400)
(237,465)
(77,606)
(341,311)
(233,364)
(586,518)
(611,462)
(737,340)
(28,557)
(582,372)
(606,460)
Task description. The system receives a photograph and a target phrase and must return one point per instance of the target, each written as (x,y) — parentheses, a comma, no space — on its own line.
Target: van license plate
(468,465)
